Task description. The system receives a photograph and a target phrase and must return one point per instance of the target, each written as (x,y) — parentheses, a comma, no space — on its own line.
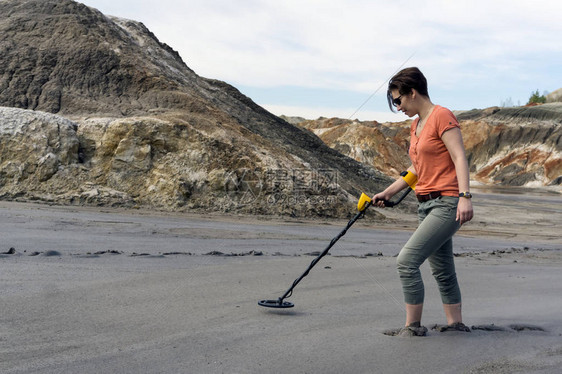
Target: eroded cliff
(505,146)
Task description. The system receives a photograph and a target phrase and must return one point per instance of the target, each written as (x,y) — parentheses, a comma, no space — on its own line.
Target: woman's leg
(443,270)
(437,226)
(413,313)
(453,312)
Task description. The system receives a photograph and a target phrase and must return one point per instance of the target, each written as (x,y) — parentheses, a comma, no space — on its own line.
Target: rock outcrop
(130,124)
(34,146)
(515,146)
(505,146)
(370,142)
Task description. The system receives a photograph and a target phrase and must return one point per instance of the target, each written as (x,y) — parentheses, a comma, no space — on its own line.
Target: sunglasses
(397,101)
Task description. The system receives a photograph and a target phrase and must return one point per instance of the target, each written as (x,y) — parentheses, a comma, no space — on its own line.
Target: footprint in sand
(512,327)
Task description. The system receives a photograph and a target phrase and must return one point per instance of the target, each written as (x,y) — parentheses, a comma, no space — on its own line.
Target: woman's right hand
(379,199)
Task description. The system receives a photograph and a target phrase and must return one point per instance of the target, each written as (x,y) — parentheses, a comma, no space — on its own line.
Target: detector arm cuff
(410,178)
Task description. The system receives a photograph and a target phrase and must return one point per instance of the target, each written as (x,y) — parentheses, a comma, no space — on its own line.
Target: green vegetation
(537,98)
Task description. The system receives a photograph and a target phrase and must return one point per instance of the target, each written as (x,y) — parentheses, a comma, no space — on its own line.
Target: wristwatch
(468,195)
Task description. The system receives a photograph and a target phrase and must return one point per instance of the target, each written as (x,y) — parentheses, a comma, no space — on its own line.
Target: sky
(333,58)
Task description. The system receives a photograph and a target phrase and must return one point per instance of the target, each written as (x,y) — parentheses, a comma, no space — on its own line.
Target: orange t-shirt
(430,157)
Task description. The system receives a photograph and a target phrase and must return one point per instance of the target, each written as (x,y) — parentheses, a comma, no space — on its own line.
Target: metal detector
(364,203)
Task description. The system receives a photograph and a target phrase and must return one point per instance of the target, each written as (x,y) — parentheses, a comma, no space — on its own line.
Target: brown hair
(406,80)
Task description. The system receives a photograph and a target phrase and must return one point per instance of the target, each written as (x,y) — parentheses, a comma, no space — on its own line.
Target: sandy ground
(111,291)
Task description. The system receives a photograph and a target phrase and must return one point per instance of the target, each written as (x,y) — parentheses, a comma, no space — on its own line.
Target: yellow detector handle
(410,178)
(363,200)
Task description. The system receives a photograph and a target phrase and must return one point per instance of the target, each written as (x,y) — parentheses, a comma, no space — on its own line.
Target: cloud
(490,49)
(345,45)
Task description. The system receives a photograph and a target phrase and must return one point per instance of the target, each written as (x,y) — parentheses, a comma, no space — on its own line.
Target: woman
(440,165)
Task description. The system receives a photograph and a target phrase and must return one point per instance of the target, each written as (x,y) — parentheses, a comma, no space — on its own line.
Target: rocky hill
(96,110)
(515,146)
(505,146)
(554,96)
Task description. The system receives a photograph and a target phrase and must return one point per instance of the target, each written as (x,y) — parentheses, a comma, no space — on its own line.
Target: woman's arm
(453,141)
(393,189)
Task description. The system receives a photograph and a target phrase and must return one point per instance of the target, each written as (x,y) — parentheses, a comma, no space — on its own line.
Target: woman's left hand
(464,210)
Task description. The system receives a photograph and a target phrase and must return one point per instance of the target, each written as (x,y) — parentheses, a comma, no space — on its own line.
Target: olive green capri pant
(433,241)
